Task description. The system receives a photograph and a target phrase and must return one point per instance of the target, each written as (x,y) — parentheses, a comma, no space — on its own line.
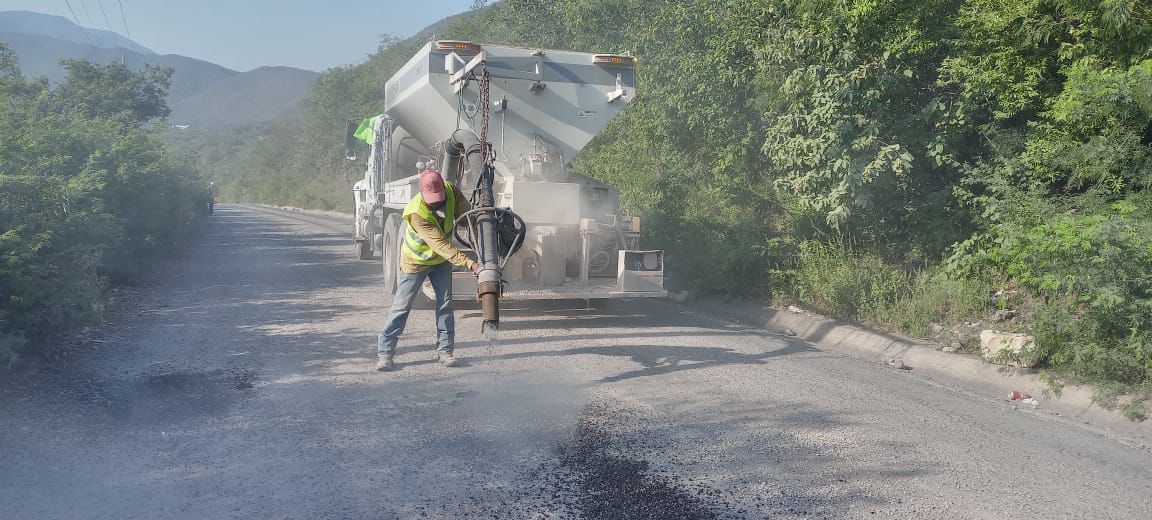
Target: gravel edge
(1073,402)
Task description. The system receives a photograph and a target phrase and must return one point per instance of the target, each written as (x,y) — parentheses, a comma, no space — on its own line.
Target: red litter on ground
(1017,395)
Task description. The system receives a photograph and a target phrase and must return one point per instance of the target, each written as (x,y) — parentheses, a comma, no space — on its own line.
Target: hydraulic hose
(466,155)
(517,228)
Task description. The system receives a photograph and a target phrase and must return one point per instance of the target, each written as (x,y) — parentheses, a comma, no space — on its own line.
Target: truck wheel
(390,253)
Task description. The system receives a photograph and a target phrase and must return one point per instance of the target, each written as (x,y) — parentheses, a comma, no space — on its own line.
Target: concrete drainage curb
(1074,402)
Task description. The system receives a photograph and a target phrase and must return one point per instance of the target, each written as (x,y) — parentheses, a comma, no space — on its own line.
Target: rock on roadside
(1005,348)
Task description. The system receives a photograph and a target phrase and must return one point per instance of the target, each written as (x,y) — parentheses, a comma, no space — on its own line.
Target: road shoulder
(1073,402)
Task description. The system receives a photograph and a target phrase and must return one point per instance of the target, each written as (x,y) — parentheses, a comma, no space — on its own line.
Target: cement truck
(503,124)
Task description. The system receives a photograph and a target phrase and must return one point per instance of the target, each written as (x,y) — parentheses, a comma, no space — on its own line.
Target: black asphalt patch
(612,486)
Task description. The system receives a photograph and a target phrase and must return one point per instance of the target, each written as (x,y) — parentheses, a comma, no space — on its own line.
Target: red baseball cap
(431,186)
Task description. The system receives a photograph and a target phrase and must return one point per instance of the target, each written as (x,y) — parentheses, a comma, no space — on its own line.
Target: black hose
(518,227)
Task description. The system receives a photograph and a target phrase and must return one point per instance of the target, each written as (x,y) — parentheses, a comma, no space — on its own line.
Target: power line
(106,23)
(125,18)
(87,14)
(77,20)
(91,24)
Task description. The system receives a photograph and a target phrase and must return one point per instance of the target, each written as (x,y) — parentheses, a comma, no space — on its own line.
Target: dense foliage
(899,162)
(88,196)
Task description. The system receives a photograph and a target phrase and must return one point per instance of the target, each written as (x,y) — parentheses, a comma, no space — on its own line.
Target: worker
(427,252)
(213,192)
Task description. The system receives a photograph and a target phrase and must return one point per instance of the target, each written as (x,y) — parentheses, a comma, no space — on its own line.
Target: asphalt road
(240,385)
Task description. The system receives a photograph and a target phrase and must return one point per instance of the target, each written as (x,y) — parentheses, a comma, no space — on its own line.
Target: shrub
(88,196)
(1087,267)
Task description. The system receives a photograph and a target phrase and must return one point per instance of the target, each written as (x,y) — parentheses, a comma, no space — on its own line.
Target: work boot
(446,359)
(384,363)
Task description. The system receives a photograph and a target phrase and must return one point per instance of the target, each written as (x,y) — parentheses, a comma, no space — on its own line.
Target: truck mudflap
(640,274)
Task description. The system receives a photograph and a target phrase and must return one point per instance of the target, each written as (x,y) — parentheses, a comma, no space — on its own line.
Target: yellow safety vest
(414,246)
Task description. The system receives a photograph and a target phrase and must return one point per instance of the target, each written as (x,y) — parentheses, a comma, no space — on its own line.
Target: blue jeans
(407,288)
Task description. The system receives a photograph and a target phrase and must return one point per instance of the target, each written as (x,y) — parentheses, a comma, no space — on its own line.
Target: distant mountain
(60,28)
(202,94)
(41,55)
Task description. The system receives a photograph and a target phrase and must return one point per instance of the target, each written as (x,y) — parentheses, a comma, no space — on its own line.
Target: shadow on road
(657,360)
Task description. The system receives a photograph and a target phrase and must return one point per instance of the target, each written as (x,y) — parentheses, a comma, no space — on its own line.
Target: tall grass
(864,287)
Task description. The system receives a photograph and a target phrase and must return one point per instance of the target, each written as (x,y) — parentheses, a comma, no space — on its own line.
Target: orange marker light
(452,45)
(613,59)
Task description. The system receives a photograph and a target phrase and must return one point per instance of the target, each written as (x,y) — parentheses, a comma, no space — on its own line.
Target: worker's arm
(439,243)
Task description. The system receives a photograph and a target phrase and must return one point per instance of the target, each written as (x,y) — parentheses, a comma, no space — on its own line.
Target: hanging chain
(485,85)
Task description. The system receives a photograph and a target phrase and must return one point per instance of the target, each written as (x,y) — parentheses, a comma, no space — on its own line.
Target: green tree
(115,91)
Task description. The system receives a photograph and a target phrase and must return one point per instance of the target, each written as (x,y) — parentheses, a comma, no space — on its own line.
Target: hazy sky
(245,34)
